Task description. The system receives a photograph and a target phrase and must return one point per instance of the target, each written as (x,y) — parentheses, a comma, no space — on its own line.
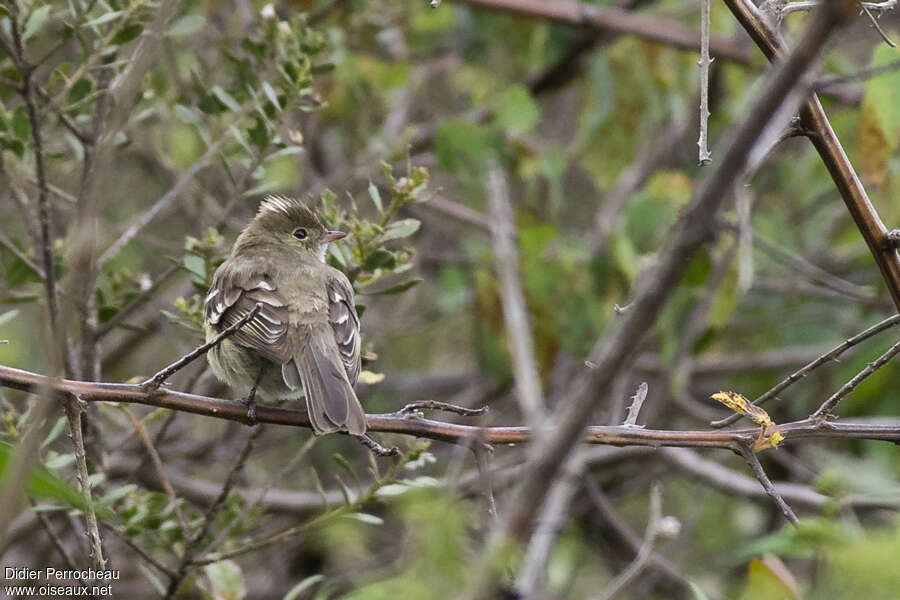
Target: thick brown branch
(438,430)
(813,118)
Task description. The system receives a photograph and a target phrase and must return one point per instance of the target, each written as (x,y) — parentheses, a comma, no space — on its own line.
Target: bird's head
(292,222)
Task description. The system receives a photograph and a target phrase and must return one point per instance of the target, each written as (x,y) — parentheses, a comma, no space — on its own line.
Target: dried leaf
(742,406)
(764,442)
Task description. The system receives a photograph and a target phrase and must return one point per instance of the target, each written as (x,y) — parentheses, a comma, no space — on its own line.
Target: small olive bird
(304,341)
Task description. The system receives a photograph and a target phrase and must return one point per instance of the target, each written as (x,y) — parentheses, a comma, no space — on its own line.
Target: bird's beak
(332,236)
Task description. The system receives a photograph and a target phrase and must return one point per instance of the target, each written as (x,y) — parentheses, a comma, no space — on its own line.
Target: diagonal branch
(813,119)
(695,227)
(799,374)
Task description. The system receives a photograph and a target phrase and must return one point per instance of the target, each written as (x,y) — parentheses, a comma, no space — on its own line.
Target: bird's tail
(330,399)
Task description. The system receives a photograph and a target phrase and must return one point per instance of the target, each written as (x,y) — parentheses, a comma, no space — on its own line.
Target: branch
(694,228)
(231,410)
(157,380)
(824,411)
(704,157)
(796,376)
(512,299)
(608,18)
(813,118)
(645,553)
(760,473)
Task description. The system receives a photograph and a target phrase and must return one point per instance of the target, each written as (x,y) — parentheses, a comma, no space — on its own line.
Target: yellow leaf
(742,406)
(767,441)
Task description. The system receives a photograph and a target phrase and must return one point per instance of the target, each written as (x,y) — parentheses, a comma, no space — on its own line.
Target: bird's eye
(300,234)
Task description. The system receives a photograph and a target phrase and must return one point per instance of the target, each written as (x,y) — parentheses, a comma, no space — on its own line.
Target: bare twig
(829,356)
(376,448)
(637,401)
(608,18)
(553,517)
(515,314)
(825,410)
(414,407)
(167,199)
(646,551)
(193,543)
(157,380)
(876,25)
(157,466)
(760,473)
(138,301)
(14,250)
(57,542)
(74,409)
(704,156)
(822,136)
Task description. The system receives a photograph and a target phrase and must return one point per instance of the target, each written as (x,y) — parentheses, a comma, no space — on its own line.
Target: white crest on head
(276,204)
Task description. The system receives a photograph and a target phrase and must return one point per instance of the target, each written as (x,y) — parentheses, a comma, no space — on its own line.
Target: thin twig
(138,301)
(157,380)
(825,410)
(637,401)
(57,541)
(126,539)
(414,407)
(760,473)
(376,448)
(165,201)
(646,551)
(554,515)
(876,25)
(520,340)
(7,243)
(157,466)
(74,409)
(704,156)
(799,374)
(193,543)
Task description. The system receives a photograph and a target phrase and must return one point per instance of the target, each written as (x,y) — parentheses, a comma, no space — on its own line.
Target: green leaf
(397,289)
(517,112)
(225,98)
(127,33)
(302,586)
(196,265)
(105,18)
(36,22)
(271,95)
(400,229)
(379,259)
(375,195)
(226,580)
(21,126)
(80,90)
(187,25)
(366,518)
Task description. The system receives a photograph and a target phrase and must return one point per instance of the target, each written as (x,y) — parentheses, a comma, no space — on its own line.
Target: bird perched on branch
(304,341)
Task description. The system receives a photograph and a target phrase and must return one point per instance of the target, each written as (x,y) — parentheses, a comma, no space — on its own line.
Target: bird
(304,341)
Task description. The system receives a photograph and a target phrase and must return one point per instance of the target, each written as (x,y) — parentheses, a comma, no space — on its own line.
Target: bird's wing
(233,294)
(345,323)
